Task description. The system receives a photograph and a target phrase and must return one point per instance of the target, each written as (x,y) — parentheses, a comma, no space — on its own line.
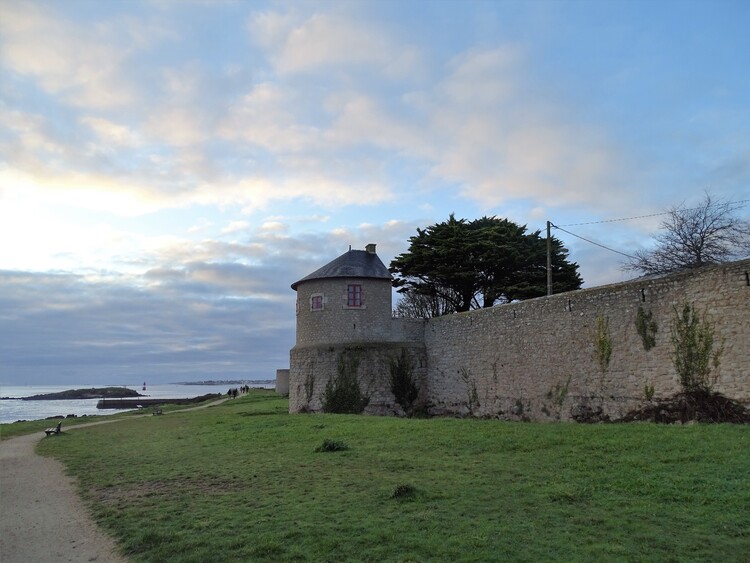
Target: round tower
(345,329)
(346,301)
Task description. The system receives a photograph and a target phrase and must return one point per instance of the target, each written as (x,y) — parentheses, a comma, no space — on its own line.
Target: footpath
(42,519)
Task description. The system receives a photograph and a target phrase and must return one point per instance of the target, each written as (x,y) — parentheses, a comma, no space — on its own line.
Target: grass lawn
(13,429)
(243,482)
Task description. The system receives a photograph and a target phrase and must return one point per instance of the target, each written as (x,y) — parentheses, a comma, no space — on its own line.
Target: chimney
(370,248)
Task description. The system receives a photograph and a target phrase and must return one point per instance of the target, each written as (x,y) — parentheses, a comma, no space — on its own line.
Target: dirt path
(42,519)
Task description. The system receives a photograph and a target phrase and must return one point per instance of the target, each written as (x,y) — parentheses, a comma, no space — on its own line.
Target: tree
(413,305)
(693,237)
(458,265)
(433,265)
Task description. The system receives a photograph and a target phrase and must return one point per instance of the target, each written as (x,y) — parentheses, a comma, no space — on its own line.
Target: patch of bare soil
(700,405)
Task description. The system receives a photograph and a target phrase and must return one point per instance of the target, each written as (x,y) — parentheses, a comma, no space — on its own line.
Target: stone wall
(539,359)
(313,366)
(282,382)
(533,360)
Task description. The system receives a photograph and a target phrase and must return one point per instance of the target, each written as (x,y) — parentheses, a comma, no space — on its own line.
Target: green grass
(13,429)
(243,482)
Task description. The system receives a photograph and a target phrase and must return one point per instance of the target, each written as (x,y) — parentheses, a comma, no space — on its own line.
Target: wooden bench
(56,430)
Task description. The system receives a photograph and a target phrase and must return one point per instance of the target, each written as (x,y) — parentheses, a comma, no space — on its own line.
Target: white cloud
(82,190)
(324,40)
(483,78)
(30,136)
(48,240)
(235,226)
(490,131)
(362,119)
(178,126)
(112,133)
(201,225)
(554,162)
(265,117)
(81,64)
(274,227)
(317,188)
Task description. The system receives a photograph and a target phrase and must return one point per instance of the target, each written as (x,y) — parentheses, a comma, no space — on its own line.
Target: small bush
(403,386)
(693,353)
(342,394)
(332,446)
(646,327)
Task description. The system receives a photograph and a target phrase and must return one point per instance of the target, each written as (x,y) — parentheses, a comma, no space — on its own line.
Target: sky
(169,168)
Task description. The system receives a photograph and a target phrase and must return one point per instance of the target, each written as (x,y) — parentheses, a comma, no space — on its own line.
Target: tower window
(353,295)
(316,302)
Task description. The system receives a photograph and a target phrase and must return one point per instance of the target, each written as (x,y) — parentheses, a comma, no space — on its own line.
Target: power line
(616,220)
(744,201)
(595,243)
(550,224)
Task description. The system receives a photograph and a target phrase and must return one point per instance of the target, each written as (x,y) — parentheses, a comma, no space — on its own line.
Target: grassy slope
(242,482)
(13,429)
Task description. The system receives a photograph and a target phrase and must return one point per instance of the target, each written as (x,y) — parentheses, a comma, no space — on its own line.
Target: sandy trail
(42,519)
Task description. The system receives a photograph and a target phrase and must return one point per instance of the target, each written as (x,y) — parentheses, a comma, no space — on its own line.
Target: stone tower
(344,310)
(347,300)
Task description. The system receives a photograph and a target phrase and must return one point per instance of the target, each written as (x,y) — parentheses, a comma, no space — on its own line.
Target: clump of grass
(403,491)
(332,446)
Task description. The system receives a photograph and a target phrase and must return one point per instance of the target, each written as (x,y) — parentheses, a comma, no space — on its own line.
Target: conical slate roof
(351,264)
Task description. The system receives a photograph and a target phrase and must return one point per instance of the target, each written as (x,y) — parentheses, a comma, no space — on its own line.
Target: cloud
(476,123)
(206,321)
(234,227)
(204,310)
(483,78)
(482,124)
(265,117)
(81,64)
(112,134)
(362,119)
(307,181)
(501,139)
(274,227)
(117,333)
(178,126)
(298,44)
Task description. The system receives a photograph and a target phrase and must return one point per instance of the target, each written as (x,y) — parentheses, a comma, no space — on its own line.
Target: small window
(354,296)
(316,302)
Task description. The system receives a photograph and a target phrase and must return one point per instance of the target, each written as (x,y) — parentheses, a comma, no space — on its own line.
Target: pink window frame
(353,295)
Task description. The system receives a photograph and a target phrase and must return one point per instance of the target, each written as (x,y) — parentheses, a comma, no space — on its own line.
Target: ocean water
(16,409)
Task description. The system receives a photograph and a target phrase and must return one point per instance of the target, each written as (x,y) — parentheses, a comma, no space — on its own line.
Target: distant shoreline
(72,394)
(15,408)
(226,382)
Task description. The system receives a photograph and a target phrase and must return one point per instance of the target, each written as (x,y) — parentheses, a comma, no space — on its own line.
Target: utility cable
(616,220)
(741,202)
(592,242)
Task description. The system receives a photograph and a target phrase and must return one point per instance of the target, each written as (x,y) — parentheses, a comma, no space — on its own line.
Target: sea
(13,408)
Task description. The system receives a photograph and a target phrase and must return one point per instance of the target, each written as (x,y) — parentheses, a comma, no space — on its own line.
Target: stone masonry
(533,360)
